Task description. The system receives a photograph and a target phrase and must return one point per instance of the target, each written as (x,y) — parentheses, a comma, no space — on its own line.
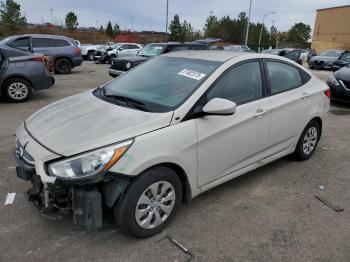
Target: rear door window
(42,43)
(283,77)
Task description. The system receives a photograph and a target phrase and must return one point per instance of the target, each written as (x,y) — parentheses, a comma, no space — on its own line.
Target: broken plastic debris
(321,187)
(10,198)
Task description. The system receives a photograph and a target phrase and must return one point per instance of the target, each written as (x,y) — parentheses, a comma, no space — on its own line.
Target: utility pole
(51,13)
(247,33)
(167,20)
(262,26)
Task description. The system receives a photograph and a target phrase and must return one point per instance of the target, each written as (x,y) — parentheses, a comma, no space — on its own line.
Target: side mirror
(120,49)
(109,49)
(219,106)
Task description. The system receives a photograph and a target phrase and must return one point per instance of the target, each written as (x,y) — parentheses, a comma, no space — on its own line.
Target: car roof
(178,44)
(43,36)
(211,55)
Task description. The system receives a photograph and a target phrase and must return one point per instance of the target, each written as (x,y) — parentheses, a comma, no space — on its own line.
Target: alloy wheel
(310,140)
(155,205)
(18,91)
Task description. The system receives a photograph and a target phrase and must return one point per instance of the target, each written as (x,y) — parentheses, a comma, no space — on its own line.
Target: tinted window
(20,43)
(198,47)
(293,55)
(60,42)
(133,47)
(176,48)
(42,42)
(283,77)
(242,84)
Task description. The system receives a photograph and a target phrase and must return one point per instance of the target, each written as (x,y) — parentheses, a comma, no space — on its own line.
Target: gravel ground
(270,214)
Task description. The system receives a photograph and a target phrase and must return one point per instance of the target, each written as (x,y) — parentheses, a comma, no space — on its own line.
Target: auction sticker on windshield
(192,74)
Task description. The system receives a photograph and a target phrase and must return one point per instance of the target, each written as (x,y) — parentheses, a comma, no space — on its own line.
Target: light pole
(247,33)
(167,20)
(262,26)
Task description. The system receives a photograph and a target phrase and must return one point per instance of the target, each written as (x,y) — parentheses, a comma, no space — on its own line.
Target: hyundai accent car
(165,132)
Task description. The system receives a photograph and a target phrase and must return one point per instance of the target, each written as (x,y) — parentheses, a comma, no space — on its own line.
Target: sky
(150,14)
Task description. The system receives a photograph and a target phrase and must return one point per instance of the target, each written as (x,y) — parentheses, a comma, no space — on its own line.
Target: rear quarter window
(283,77)
(61,43)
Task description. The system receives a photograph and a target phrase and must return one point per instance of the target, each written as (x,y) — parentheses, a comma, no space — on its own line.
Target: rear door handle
(305,95)
(260,113)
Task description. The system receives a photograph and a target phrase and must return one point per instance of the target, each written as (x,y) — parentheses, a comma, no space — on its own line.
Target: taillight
(38,59)
(328,93)
(78,51)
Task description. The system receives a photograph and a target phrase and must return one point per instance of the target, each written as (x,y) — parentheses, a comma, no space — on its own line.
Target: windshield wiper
(128,100)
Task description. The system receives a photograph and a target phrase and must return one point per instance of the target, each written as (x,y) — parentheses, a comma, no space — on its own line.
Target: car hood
(84,122)
(324,58)
(136,59)
(343,74)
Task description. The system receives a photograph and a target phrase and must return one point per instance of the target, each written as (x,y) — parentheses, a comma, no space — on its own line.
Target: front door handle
(305,95)
(260,113)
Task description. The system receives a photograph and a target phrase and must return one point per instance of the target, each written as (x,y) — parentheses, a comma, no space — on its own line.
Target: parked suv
(121,65)
(65,52)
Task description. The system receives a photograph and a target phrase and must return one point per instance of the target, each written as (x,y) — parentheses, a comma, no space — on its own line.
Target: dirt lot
(270,214)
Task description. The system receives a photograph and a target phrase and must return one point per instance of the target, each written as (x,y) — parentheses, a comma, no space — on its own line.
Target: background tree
(299,33)
(101,30)
(211,26)
(10,15)
(175,29)
(71,20)
(116,29)
(109,29)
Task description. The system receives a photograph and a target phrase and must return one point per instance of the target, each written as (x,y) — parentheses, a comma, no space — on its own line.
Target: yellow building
(332,29)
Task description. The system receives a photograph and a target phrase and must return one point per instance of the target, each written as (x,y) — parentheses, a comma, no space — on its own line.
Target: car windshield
(115,46)
(6,40)
(159,85)
(332,53)
(152,50)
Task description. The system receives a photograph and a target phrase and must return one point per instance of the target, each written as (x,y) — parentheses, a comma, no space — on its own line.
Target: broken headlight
(89,164)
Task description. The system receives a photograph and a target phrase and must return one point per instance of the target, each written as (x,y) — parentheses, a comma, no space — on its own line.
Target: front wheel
(308,141)
(149,203)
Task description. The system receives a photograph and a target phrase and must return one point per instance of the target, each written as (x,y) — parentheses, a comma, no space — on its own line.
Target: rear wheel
(63,66)
(308,141)
(149,203)
(17,89)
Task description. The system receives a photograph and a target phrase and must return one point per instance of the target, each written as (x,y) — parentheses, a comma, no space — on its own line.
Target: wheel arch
(12,77)
(319,122)
(186,188)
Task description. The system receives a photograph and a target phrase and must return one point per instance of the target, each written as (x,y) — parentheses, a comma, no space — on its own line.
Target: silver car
(21,72)
(165,132)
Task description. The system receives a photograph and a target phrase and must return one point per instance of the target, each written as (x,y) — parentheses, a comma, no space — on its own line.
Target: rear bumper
(78,61)
(47,82)
(115,73)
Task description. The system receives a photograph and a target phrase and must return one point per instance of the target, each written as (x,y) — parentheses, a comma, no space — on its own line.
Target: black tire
(90,55)
(124,210)
(63,66)
(19,83)
(299,153)
(110,59)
